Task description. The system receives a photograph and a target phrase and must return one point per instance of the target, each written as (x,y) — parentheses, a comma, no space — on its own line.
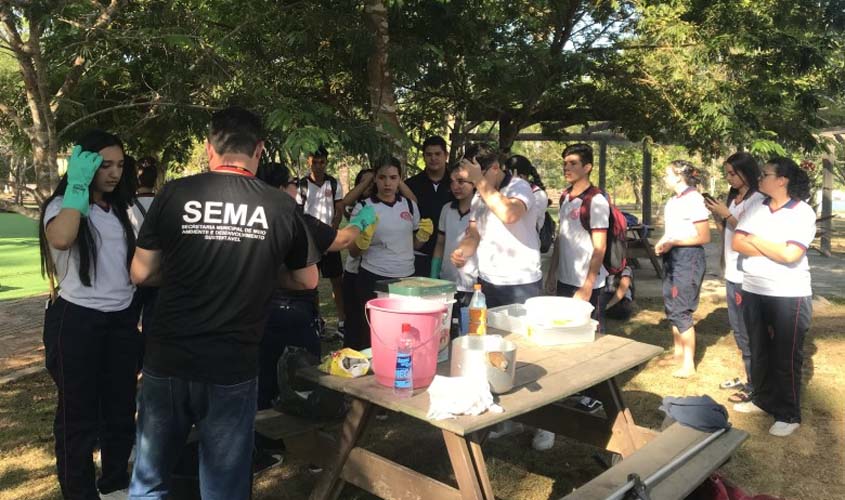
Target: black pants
(776,328)
(422,265)
(354,309)
(290,322)
(502,295)
(596,299)
(92,357)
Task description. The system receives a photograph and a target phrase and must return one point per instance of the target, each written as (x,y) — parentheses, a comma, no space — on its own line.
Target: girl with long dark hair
(521,167)
(687,230)
(90,330)
(741,172)
(772,240)
(386,247)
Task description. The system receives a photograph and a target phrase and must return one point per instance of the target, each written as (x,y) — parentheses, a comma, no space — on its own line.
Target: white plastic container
(558,312)
(514,318)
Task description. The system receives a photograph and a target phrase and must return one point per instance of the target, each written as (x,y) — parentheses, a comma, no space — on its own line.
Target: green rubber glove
(364,218)
(436,262)
(81,168)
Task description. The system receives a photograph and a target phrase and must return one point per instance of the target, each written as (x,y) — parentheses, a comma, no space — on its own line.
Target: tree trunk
(379,79)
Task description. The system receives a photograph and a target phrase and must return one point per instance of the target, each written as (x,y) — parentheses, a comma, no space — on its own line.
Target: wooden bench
(673,483)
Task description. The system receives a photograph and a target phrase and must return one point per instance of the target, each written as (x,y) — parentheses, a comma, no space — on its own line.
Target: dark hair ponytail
(746,167)
(522,166)
(799,181)
(690,173)
(85,244)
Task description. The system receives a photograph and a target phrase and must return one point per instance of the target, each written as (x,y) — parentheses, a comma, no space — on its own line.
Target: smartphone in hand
(708,197)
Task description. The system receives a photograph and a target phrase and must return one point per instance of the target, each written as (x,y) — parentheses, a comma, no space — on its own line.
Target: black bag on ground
(300,398)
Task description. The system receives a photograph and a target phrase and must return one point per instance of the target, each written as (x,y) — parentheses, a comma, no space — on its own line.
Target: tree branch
(75,73)
(76,122)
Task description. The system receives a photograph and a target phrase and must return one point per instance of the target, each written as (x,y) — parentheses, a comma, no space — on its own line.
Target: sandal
(740,397)
(731,384)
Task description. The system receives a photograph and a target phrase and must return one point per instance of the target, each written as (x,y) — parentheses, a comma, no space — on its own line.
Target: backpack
(615,257)
(302,186)
(547,233)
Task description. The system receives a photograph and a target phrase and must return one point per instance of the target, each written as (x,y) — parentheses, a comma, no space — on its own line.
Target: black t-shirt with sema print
(223,239)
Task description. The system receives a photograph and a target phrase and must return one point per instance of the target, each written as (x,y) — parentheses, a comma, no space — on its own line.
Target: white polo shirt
(136,215)
(508,254)
(541,200)
(110,290)
(391,252)
(738,210)
(319,199)
(792,224)
(682,212)
(576,243)
(453,226)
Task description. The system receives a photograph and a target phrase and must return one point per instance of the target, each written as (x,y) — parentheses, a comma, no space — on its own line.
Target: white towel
(452,396)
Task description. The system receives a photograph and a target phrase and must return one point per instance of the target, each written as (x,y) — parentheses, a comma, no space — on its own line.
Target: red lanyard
(234,170)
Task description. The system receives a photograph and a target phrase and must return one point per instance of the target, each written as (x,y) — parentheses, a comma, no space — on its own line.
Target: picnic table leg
(649,250)
(625,438)
(469,467)
(330,484)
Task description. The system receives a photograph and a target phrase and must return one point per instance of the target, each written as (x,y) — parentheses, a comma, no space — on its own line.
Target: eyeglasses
(763,175)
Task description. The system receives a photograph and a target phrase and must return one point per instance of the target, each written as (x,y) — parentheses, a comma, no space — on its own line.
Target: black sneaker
(341,330)
(589,405)
(314,469)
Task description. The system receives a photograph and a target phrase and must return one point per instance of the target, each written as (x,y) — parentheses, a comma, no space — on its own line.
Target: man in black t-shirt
(431,187)
(293,318)
(219,243)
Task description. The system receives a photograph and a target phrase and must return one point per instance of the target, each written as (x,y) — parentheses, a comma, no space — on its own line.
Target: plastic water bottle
(478,312)
(403,379)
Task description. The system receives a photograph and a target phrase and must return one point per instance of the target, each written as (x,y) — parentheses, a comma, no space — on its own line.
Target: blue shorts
(683,273)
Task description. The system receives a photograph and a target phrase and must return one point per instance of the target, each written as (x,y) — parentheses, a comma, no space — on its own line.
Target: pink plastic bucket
(386,316)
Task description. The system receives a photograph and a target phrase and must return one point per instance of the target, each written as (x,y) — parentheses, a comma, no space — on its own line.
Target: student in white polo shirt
(387,247)
(452,227)
(687,230)
(576,267)
(772,240)
(92,346)
(502,231)
(320,195)
(741,172)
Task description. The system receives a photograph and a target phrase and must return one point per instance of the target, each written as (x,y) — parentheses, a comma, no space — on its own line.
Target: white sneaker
(543,440)
(116,495)
(505,428)
(783,429)
(748,407)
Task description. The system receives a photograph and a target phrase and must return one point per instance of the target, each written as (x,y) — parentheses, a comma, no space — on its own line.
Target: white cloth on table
(453,396)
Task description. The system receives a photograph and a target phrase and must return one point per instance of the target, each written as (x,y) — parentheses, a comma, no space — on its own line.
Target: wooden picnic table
(544,376)
(637,239)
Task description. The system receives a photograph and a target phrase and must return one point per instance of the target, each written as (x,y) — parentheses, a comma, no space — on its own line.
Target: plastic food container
(514,318)
(440,291)
(558,312)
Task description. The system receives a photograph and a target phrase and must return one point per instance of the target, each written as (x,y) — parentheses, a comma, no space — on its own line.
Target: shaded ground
(807,465)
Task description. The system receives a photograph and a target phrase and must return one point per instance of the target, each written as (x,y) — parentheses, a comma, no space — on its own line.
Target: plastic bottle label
(402,378)
(477,321)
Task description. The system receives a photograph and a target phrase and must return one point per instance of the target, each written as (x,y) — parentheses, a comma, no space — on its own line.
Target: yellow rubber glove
(365,239)
(425,230)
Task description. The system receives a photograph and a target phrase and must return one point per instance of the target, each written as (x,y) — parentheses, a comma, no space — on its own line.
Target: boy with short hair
(576,269)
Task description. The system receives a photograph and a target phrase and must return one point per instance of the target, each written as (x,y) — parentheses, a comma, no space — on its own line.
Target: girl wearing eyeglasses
(741,172)
(687,230)
(772,241)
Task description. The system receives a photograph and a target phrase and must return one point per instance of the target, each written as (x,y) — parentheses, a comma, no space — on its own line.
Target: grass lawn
(807,465)
(20,261)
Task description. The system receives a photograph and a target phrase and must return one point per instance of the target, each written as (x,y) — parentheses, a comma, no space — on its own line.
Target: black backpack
(547,233)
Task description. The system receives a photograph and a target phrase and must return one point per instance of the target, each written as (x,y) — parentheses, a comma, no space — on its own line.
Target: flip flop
(731,384)
(740,397)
